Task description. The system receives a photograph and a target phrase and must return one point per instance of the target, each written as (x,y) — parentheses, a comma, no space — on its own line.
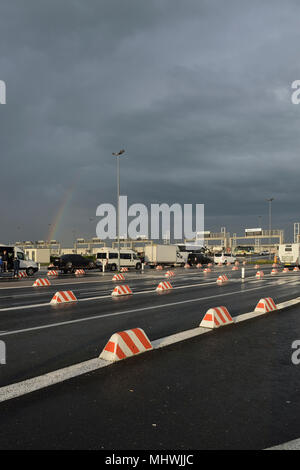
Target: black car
(195,258)
(69,263)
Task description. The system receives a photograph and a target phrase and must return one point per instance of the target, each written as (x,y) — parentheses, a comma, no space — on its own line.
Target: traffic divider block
(256,266)
(199,265)
(170,274)
(274,271)
(216,317)
(220,264)
(52,273)
(118,277)
(209,265)
(266,305)
(222,279)
(296,268)
(124,270)
(121,290)
(259,274)
(41,283)
(63,297)
(164,285)
(22,274)
(187,266)
(285,270)
(159,267)
(207,270)
(274,265)
(235,268)
(126,344)
(79,272)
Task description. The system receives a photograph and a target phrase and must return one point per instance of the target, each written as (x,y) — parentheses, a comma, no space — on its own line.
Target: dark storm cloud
(197,92)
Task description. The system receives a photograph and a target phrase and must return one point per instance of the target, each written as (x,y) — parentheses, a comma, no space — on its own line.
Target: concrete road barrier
(266,305)
(216,317)
(118,277)
(222,279)
(79,272)
(41,283)
(52,273)
(63,297)
(164,285)
(126,344)
(121,290)
(259,274)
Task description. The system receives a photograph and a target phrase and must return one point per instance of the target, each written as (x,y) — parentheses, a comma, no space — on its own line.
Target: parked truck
(164,255)
(289,254)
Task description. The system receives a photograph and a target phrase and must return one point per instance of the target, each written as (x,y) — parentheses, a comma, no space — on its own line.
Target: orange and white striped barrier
(207,270)
(285,270)
(256,266)
(274,271)
(244,263)
(266,305)
(41,283)
(237,263)
(187,266)
(159,267)
(121,290)
(259,274)
(235,268)
(274,265)
(22,274)
(296,268)
(170,274)
(164,285)
(79,272)
(216,317)
(209,265)
(220,264)
(126,344)
(199,265)
(222,279)
(118,277)
(63,297)
(124,270)
(52,273)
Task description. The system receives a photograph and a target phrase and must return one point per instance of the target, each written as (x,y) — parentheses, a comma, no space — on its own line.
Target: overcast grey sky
(198,92)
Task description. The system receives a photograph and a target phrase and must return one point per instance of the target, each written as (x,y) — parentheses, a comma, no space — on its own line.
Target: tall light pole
(118,154)
(270,200)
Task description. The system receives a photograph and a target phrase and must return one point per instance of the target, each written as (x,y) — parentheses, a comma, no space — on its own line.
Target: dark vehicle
(69,263)
(195,258)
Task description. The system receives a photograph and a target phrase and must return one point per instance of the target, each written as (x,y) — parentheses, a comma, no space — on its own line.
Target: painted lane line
(37,383)
(124,312)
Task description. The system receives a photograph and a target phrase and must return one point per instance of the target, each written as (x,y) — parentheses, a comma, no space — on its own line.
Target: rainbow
(54,227)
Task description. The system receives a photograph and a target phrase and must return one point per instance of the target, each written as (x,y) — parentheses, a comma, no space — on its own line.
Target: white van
(26,264)
(128,258)
(224,258)
(289,254)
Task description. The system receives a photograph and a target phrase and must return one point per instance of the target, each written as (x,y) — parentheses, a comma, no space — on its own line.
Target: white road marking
(37,383)
(124,312)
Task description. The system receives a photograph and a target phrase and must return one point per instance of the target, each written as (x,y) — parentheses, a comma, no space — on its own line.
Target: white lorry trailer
(164,255)
(289,254)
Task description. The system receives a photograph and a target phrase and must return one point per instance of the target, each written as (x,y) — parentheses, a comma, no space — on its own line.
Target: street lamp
(270,200)
(118,154)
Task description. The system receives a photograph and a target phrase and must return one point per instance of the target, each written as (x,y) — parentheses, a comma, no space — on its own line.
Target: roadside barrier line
(37,383)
